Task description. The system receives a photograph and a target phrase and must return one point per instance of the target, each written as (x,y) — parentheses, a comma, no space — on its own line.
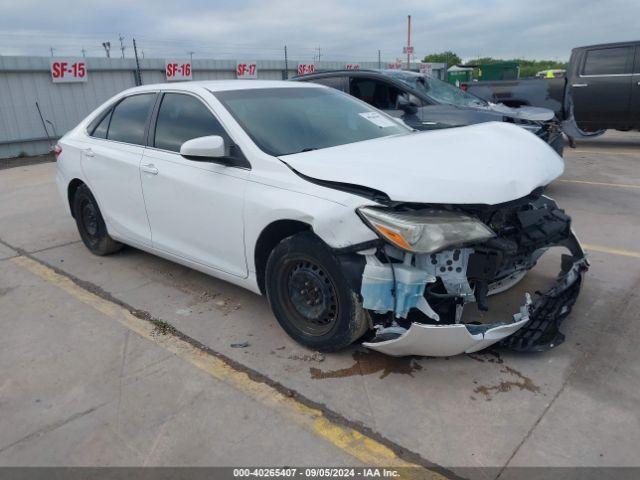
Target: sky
(342,30)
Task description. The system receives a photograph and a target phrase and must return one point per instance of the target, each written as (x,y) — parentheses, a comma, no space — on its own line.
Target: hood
(488,163)
(534,114)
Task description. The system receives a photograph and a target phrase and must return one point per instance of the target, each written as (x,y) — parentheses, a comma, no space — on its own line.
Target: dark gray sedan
(425,103)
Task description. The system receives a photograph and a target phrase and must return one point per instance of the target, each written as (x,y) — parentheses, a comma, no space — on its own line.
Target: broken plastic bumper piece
(449,340)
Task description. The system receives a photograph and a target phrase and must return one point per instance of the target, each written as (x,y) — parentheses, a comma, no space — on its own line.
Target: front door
(195,208)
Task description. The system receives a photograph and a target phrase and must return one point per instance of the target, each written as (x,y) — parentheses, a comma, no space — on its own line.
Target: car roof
(221,85)
(329,73)
(608,45)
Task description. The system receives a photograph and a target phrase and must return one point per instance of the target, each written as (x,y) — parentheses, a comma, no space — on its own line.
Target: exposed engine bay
(417,300)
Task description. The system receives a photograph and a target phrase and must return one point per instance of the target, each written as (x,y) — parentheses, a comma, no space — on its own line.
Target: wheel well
(71,191)
(273,234)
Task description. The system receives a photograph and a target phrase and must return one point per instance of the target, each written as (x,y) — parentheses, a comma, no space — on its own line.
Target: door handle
(149,168)
(577,85)
(89,153)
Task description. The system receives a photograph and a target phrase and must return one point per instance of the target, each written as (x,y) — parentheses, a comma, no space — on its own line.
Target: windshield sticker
(377,119)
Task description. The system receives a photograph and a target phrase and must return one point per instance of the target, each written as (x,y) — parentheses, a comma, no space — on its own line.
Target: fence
(26,86)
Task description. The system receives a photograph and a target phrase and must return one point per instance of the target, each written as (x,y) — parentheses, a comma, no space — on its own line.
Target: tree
(448,57)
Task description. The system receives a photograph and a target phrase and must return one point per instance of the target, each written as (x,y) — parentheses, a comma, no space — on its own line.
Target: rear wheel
(91,226)
(310,296)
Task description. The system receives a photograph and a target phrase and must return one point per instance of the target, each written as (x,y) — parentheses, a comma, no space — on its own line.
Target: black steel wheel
(91,226)
(310,296)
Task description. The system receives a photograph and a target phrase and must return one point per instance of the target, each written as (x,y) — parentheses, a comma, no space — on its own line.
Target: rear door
(602,91)
(111,164)
(195,208)
(634,110)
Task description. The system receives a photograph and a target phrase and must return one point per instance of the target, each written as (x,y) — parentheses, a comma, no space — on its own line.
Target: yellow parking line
(366,449)
(602,184)
(613,251)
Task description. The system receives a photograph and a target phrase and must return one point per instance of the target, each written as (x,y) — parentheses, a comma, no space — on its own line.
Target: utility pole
(379,61)
(190,56)
(138,74)
(319,54)
(122,47)
(107,48)
(286,64)
(84,52)
(51,49)
(409,42)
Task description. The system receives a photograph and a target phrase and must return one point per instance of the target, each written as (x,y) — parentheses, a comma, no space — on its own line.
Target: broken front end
(435,260)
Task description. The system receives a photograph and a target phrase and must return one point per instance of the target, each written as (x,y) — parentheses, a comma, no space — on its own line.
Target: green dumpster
(457,75)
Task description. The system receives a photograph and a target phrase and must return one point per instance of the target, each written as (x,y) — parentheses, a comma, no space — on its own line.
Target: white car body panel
(195,209)
(495,162)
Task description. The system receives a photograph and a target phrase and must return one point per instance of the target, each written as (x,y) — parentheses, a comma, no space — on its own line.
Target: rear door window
(181,118)
(375,92)
(608,61)
(129,119)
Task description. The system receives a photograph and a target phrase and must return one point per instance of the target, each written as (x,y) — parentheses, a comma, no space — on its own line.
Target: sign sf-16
(176,70)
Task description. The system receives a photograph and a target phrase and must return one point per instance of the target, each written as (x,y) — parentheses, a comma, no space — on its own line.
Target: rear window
(129,119)
(608,61)
(100,130)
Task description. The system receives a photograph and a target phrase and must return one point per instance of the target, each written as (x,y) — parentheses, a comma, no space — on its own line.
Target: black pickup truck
(601,89)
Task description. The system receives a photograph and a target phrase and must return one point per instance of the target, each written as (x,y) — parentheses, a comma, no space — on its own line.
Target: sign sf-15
(68,70)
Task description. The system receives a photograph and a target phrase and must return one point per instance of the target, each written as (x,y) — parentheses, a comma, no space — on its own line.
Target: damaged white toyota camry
(354,226)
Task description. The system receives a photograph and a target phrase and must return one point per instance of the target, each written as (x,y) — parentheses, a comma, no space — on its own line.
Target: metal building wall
(27,80)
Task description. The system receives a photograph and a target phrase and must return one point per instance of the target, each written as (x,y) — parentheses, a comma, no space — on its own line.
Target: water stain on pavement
(523,383)
(368,363)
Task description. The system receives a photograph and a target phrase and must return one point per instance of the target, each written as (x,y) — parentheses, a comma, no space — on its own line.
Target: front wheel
(310,296)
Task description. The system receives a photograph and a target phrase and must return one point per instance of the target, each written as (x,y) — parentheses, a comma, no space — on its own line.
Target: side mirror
(403,103)
(204,149)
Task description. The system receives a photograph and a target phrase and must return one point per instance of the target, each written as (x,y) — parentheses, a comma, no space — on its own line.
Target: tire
(310,297)
(91,226)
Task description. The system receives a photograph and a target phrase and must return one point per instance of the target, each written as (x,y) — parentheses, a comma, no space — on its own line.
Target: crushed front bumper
(407,299)
(534,328)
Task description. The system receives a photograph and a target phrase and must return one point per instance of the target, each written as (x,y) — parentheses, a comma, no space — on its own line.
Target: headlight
(425,231)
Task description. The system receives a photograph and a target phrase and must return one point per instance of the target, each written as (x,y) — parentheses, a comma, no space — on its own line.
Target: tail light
(57,150)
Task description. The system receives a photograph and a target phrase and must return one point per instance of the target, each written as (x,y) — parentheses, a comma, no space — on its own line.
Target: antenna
(107,48)
(122,47)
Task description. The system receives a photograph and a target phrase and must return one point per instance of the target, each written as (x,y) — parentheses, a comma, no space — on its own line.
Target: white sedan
(353,225)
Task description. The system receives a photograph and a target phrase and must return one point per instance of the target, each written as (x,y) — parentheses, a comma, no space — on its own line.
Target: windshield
(437,90)
(282,121)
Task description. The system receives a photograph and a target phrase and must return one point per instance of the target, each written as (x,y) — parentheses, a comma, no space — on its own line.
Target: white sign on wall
(247,70)
(305,68)
(394,66)
(352,66)
(426,69)
(67,70)
(176,70)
